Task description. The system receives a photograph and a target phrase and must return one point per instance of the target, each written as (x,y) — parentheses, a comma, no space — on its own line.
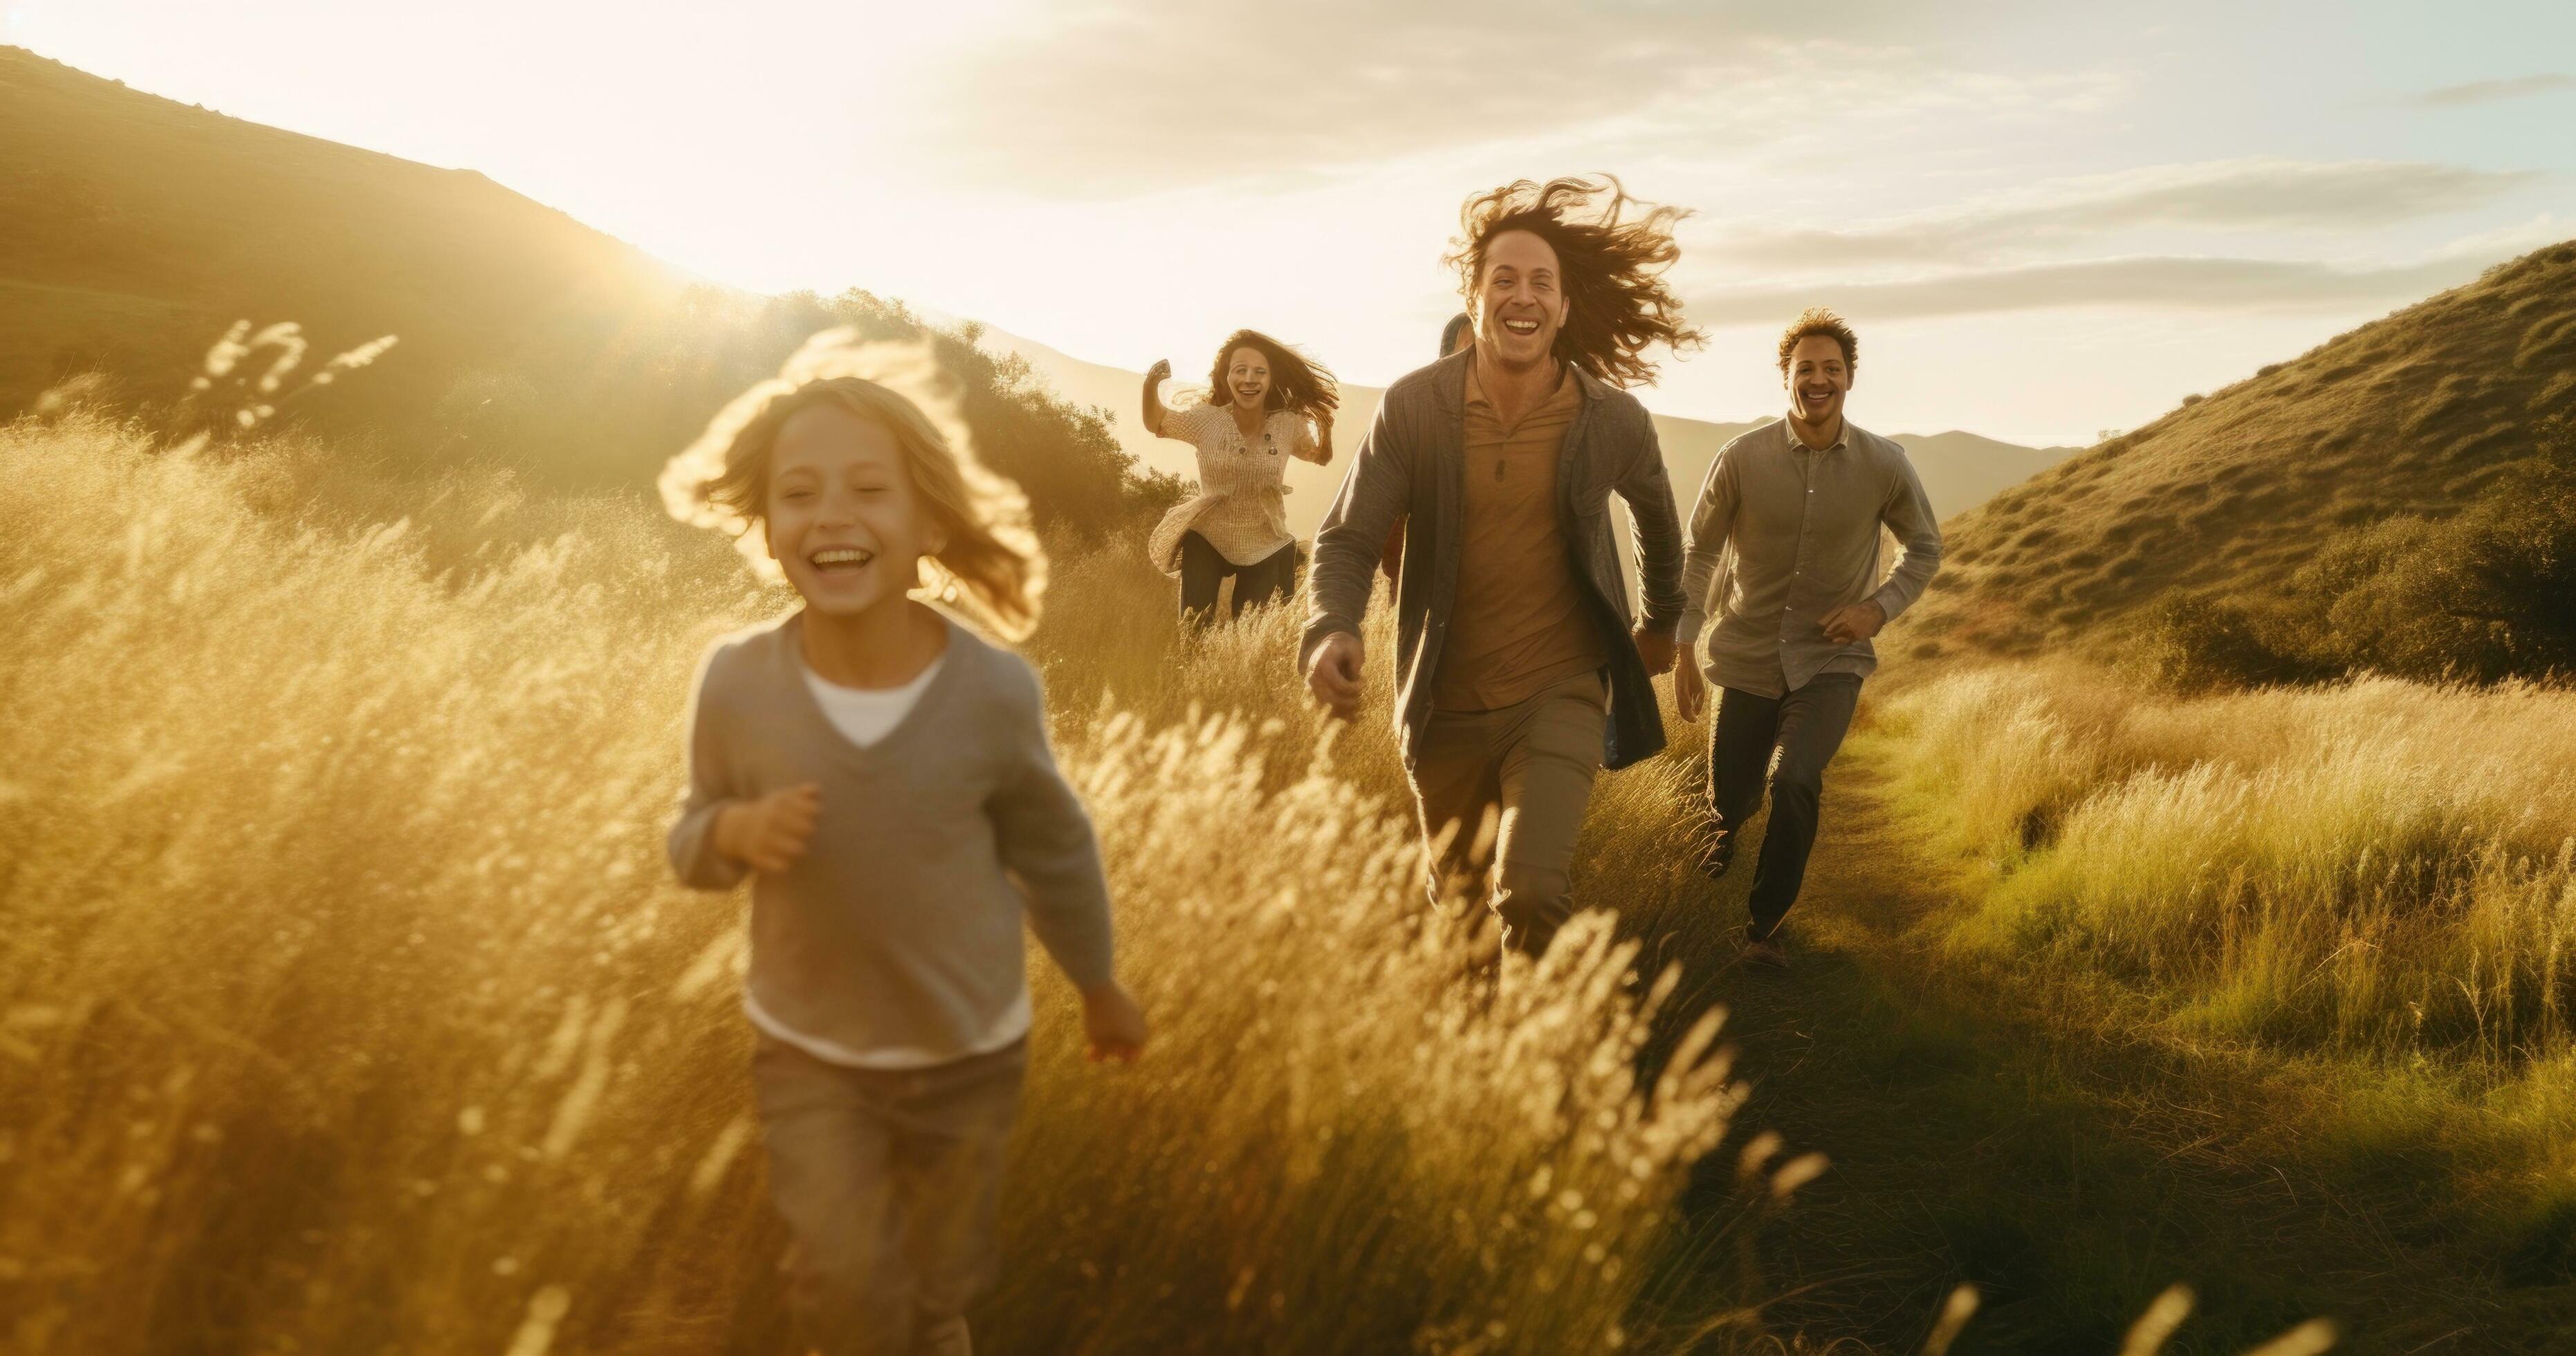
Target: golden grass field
(2375,867)
(349,1005)
(2371,884)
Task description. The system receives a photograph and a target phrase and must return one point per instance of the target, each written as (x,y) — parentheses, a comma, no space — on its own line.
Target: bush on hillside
(599,402)
(2485,595)
(1082,486)
(2193,643)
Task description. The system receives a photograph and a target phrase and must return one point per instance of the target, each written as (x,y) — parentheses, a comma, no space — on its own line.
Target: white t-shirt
(863,716)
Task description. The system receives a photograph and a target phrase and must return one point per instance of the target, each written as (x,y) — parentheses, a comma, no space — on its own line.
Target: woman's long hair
(1612,268)
(992,563)
(1298,384)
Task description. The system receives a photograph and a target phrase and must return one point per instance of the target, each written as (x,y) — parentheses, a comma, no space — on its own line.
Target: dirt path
(1979,1132)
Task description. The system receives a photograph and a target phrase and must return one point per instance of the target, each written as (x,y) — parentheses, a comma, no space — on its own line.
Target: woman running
(1265,403)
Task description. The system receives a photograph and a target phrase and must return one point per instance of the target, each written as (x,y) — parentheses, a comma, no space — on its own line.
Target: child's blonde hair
(991,562)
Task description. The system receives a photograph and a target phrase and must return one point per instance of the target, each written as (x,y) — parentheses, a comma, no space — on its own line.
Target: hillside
(134,230)
(2227,496)
(1959,470)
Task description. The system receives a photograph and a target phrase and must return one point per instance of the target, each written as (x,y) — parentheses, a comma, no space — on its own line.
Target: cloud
(2252,194)
(2492,91)
(1126,96)
(2154,282)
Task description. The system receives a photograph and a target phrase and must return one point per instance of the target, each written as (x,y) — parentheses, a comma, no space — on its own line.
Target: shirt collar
(1842,439)
(1568,377)
(1451,390)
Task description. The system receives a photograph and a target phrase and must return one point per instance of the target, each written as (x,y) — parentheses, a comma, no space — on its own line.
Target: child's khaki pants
(889,1182)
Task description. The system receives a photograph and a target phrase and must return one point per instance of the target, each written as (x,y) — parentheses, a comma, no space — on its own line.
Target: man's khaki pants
(889,1181)
(1510,786)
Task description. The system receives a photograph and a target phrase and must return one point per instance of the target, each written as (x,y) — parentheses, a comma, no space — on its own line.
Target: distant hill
(2226,496)
(134,230)
(1959,470)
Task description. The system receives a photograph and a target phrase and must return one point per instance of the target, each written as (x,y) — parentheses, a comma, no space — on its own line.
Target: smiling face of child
(844,521)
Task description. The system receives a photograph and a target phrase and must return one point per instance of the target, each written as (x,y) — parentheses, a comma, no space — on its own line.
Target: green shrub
(2192,643)
(2482,596)
(2485,595)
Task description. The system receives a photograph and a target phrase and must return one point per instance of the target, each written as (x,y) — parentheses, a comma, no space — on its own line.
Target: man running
(1517,674)
(1796,506)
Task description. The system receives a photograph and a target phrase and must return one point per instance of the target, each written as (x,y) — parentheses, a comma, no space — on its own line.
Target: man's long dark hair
(1611,264)
(1298,384)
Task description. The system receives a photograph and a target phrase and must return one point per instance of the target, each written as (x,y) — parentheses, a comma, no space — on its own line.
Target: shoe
(1719,856)
(1765,954)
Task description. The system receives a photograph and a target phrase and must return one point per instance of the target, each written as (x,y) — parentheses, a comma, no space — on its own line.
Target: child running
(883,774)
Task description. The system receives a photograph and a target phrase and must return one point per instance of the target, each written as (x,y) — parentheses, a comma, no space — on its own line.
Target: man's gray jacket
(1412,463)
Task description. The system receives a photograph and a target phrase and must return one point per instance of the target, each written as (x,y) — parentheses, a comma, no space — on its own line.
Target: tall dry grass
(2376,867)
(347,1005)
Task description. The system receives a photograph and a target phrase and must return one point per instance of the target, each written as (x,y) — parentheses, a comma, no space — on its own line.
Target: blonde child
(883,774)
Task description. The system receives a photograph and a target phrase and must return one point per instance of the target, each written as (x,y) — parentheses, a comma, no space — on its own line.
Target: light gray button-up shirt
(1798,532)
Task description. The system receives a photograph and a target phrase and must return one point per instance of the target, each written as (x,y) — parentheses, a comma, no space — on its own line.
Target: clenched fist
(1334,673)
(1654,649)
(1112,1024)
(769,834)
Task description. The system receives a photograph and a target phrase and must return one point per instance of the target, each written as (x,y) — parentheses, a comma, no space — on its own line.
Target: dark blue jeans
(1784,742)
(1204,568)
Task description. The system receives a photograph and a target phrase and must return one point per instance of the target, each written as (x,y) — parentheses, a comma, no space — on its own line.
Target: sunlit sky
(2045,219)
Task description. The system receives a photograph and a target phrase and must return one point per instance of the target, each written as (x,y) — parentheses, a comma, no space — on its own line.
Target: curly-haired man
(1518,675)
(1794,508)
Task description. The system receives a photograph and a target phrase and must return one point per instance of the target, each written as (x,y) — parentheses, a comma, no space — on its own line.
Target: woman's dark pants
(1204,568)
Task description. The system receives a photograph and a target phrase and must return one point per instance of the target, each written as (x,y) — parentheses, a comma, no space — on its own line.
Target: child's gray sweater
(898,930)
